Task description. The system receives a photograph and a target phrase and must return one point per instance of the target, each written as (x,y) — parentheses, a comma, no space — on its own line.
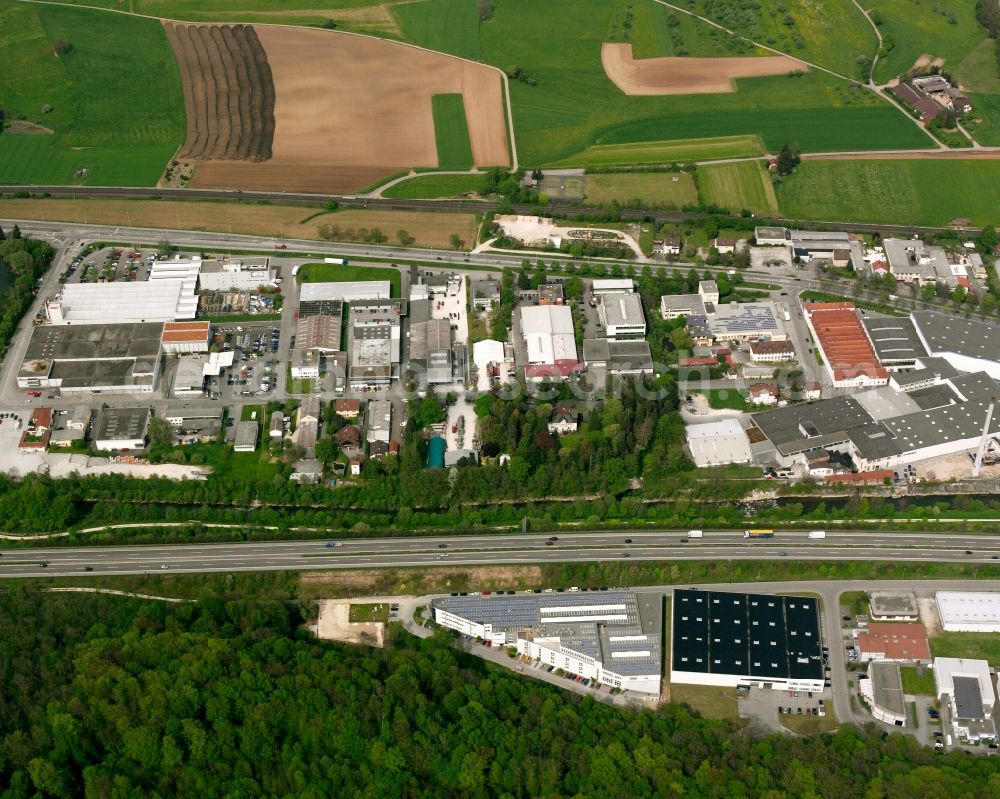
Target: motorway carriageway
(495,549)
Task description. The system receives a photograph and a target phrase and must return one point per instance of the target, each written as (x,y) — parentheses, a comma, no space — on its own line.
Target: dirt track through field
(664,76)
(228,92)
(349,110)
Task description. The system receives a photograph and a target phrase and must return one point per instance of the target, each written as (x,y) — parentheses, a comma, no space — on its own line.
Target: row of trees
(27,260)
(119,698)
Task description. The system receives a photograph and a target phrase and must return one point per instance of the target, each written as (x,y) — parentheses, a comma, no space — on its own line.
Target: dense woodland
(109,697)
(27,260)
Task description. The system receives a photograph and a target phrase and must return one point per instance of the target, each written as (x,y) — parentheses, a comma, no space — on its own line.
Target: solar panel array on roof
(757,636)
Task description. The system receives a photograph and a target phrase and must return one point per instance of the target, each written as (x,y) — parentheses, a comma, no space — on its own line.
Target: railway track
(452,206)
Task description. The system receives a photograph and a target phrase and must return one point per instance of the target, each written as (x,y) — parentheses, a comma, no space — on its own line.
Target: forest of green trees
(109,697)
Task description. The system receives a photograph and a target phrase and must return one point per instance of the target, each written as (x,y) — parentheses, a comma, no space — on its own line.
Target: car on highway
(164,566)
(628,540)
(783,554)
(442,546)
(88,568)
(968,552)
(550,543)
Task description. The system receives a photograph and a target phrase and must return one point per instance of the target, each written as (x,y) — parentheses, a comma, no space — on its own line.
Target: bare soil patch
(26,128)
(228,92)
(673,75)
(334,625)
(360,111)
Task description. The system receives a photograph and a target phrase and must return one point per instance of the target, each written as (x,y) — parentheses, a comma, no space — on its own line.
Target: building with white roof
(612,286)
(717,443)
(622,317)
(243,274)
(160,300)
(966,687)
(549,340)
(612,637)
(348,291)
(969,611)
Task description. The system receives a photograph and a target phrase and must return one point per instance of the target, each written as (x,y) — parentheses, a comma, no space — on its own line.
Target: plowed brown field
(661,76)
(350,109)
(228,92)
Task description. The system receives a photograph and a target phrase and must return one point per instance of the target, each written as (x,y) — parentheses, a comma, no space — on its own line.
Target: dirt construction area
(359,111)
(334,625)
(671,75)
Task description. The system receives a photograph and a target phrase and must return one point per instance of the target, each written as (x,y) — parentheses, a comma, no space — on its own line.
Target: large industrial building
(969,611)
(549,341)
(612,637)
(93,359)
(134,302)
(848,355)
(431,351)
(185,337)
(346,291)
(966,687)
(315,337)
(374,341)
(882,690)
(243,274)
(883,427)
(729,639)
(968,345)
(708,319)
(718,443)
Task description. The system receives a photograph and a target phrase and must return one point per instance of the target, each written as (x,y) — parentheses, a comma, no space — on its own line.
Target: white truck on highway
(695,533)
(817,534)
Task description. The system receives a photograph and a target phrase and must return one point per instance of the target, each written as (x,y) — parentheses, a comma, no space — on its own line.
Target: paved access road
(486,550)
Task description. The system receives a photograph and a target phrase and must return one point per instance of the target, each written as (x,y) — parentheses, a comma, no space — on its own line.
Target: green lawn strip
(337,273)
(985,646)
(726,399)
(912,192)
(742,185)
(451,132)
(430,187)
(663,189)
(918,681)
(666,151)
(115,96)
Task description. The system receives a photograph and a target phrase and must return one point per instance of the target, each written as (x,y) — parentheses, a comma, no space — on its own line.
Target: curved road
(464,550)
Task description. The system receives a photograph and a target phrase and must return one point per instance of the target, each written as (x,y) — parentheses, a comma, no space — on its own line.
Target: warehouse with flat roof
(894,340)
(153,300)
(969,345)
(969,611)
(717,443)
(93,359)
(730,639)
(121,429)
(612,637)
(966,687)
(621,315)
(347,291)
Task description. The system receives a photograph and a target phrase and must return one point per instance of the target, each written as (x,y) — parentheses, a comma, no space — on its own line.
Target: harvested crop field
(671,75)
(361,111)
(428,228)
(228,92)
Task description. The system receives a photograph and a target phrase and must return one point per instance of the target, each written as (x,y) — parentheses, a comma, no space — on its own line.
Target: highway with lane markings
(492,549)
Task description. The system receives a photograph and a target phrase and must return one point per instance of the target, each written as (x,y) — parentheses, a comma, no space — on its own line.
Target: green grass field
(929,192)
(832,33)
(985,646)
(737,186)
(451,26)
(567,104)
(726,399)
(665,189)
(666,152)
(335,273)
(919,27)
(117,110)
(917,684)
(451,132)
(984,122)
(436,186)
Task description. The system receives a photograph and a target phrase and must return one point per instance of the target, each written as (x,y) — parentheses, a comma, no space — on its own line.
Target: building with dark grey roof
(966,687)
(609,636)
(729,639)
(895,340)
(121,429)
(969,345)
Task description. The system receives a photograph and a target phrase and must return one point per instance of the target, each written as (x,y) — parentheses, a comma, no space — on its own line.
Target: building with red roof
(847,353)
(901,642)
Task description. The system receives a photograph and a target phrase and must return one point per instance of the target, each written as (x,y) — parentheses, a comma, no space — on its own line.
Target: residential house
(565,419)
(764,394)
